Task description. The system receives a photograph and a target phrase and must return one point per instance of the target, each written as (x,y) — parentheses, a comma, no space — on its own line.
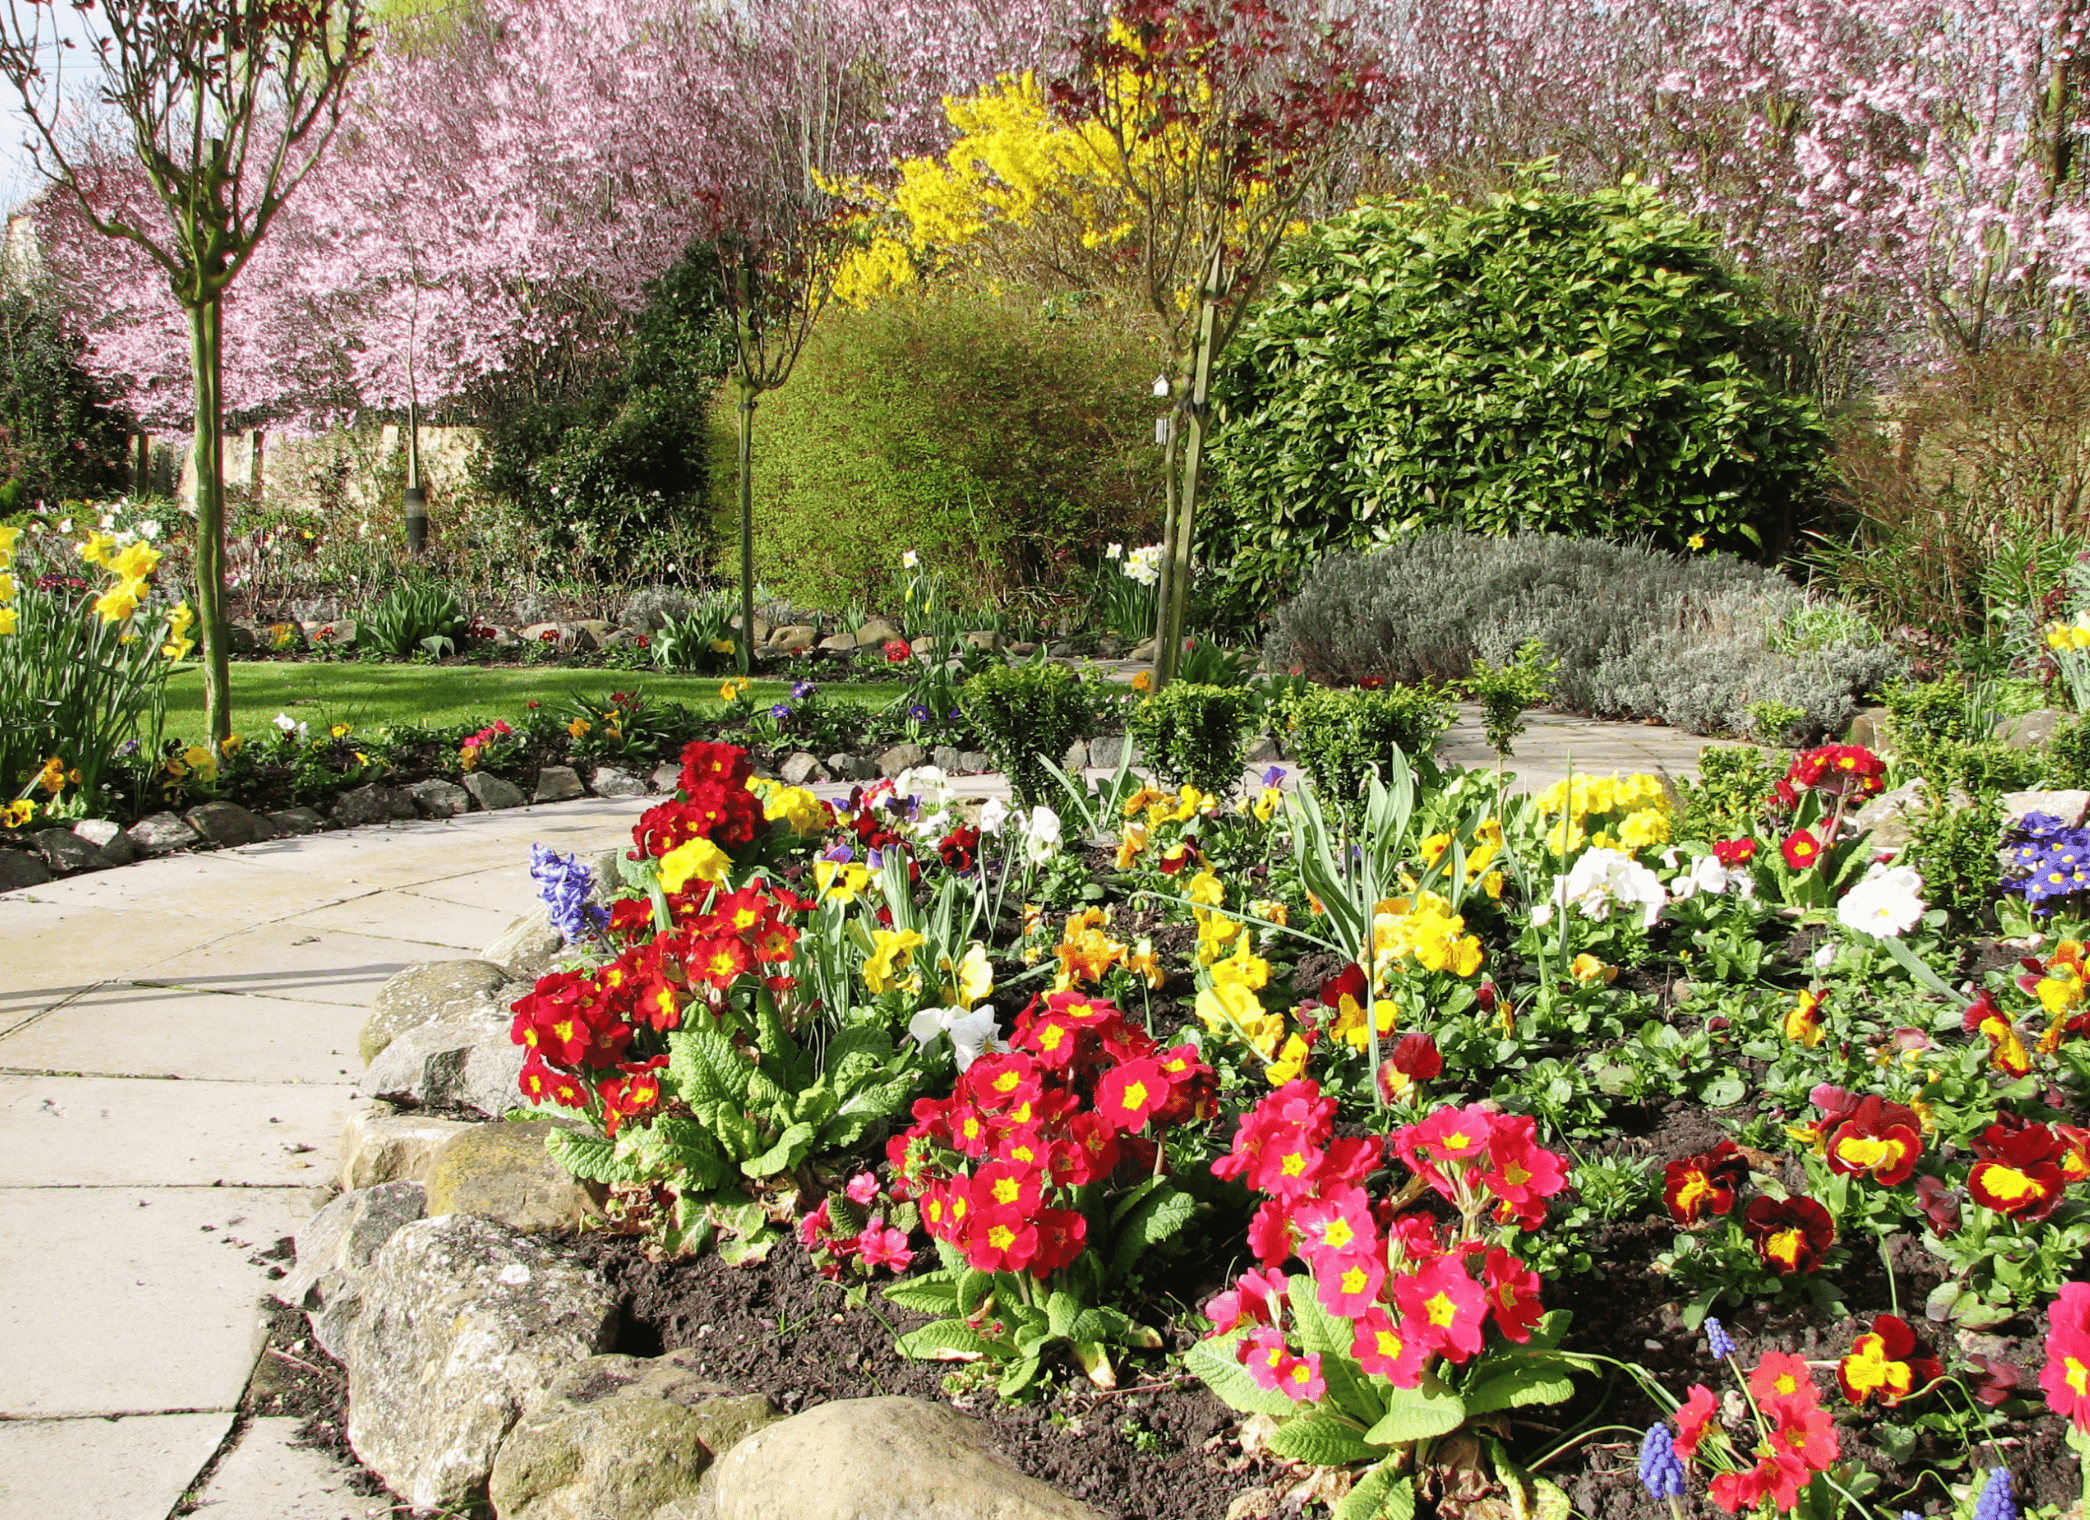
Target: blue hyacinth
(565,883)
(1997,1501)
(1717,1341)
(1661,1469)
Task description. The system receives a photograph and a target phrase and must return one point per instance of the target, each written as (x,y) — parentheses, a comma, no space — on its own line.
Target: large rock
(227,823)
(1890,819)
(1107,751)
(65,852)
(608,781)
(586,635)
(872,1459)
(796,639)
(503,1172)
(433,1063)
(375,803)
(2071,807)
(1869,727)
(616,1438)
(666,776)
(298,820)
(161,834)
(434,990)
(107,836)
(558,783)
(2031,730)
(18,869)
(528,946)
(838,643)
(851,767)
(801,768)
(335,1251)
(380,1144)
(901,757)
(464,1324)
(437,798)
(875,632)
(491,792)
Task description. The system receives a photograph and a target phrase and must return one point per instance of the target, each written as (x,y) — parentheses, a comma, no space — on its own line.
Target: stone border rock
(480,1348)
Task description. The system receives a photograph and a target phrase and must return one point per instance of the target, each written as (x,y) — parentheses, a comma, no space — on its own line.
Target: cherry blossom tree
(226,104)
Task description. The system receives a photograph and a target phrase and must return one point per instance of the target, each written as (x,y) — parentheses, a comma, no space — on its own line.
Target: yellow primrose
(1643,828)
(697,860)
(840,879)
(799,808)
(894,949)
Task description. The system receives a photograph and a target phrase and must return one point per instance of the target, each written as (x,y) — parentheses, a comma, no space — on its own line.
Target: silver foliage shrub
(1637,633)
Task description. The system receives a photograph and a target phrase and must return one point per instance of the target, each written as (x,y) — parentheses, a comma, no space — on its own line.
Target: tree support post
(1175,584)
(205,337)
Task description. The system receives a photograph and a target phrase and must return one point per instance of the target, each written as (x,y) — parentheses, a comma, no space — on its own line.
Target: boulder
(796,639)
(162,834)
(492,1077)
(901,757)
(1107,751)
(666,776)
(839,643)
(650,608)
(1143,650)
(227,823)
(297,820)
(558,783)
(335,1250)
(491,792)
(984,638)
(946,758)
(608,781)
(375,803)
(499,637)
(617,1437)
(437,798)
(2071,807)
(528,946)
(875,632)
(802,769)
(18,869)
(539,633)
(240,638)
(1022,649)
(1890,818)
(503,1172)
(2032,730)
(108,837)
(923,647)
(380,1144)
(339,634)
(1868,727)
(586,635)
(428,992)
(65,852)
(427,1064)
(973,762)
(873,1459)
(847,767)
(463,1325)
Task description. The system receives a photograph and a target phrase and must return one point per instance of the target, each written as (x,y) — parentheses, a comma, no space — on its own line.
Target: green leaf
(790,1149)
(1061,1311)
(1537,1380)
(1322,1440)
(592,1158)
(1414,1414)
(1378,1495)
(924,1295)
(947,1340)
(1215,1363)
(974,1288)
(706,1070)
(1019,1375)
(1160,1214)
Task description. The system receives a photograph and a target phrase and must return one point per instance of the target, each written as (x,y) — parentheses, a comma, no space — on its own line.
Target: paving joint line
(44,1013)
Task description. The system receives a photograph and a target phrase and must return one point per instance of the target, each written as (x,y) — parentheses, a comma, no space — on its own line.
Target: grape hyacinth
(1997,1502)
(565,883)
(1661,1469)
(1718,1343)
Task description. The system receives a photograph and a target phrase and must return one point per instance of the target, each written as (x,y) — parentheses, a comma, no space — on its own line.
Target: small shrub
(1341,737)
(2068,756)
(1954,850)
(1506,692)
(1726,799)
(1026,715)
(405,619)
(1195,733)
(1984,769)
(1637,633)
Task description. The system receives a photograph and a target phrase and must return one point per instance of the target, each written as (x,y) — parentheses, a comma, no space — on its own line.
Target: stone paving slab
(129,1031)
(502,890)
(118,1300)
(71,1132)
(268,1477)
(280,959)
(134,1469)
(410,918)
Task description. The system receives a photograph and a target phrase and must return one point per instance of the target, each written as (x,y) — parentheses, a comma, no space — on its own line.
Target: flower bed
(1533,1119)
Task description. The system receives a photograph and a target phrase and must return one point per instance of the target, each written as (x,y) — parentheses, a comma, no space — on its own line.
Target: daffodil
(97,548)
(134,562)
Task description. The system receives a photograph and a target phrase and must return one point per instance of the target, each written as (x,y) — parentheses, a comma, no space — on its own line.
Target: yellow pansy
(840,879)
(893,950)
(1289,1063)
(1244,968)
(1205,888)
(972,978)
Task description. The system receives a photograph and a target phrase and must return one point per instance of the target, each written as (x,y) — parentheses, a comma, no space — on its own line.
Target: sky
(18,177)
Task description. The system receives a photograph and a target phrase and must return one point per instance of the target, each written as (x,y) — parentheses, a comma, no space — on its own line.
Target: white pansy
(1707,875)
(1602,878)
(1885,904)
(993,814)
(1041,833)
(971,1031)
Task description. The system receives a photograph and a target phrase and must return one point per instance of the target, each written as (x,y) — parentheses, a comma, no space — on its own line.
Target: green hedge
(1574,364)
(1006,443)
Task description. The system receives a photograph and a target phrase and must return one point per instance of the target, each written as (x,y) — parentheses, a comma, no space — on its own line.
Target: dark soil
(1156,1449)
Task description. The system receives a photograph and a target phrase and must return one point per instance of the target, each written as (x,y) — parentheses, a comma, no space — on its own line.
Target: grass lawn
(374,696)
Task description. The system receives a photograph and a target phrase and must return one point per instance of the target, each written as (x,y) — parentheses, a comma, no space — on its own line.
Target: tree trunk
(747,525)
(204,354)
(1168,647)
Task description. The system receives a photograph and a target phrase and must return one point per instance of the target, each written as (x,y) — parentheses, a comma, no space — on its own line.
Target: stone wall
(303,473)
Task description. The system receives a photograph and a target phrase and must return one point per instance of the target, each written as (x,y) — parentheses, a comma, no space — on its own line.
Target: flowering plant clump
(2050,864)
(1792,1444)
(1402,1325)
(1810,808)
(1043,1178)
(1770,1243)
(860,1230)
(493,747)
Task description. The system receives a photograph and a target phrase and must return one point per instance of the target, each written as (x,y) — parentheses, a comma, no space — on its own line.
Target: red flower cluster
(1734,852)
(1888,1363)
(1080,1090)
(897,651)
(1837,770)
(2023,1166)
(1698,1187)
(1799,1438)
(1868,1134)
(1406,1288)
(583,1030)
(713,803)
(2066,1377)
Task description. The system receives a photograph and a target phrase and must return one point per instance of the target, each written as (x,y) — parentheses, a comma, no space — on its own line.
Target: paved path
(177,1054)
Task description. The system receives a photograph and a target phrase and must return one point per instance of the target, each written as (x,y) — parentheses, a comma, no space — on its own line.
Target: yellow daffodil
(697,860)
(9,537)
(119,601)
(97,549)
(134,562)
(7,620)
(7,588)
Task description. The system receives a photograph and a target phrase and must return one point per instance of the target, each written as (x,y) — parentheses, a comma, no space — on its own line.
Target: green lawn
(372,696)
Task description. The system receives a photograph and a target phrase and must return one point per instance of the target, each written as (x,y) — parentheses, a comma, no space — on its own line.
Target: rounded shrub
(1006,443)
(1195,733)
(1027,715)
(1552,361)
